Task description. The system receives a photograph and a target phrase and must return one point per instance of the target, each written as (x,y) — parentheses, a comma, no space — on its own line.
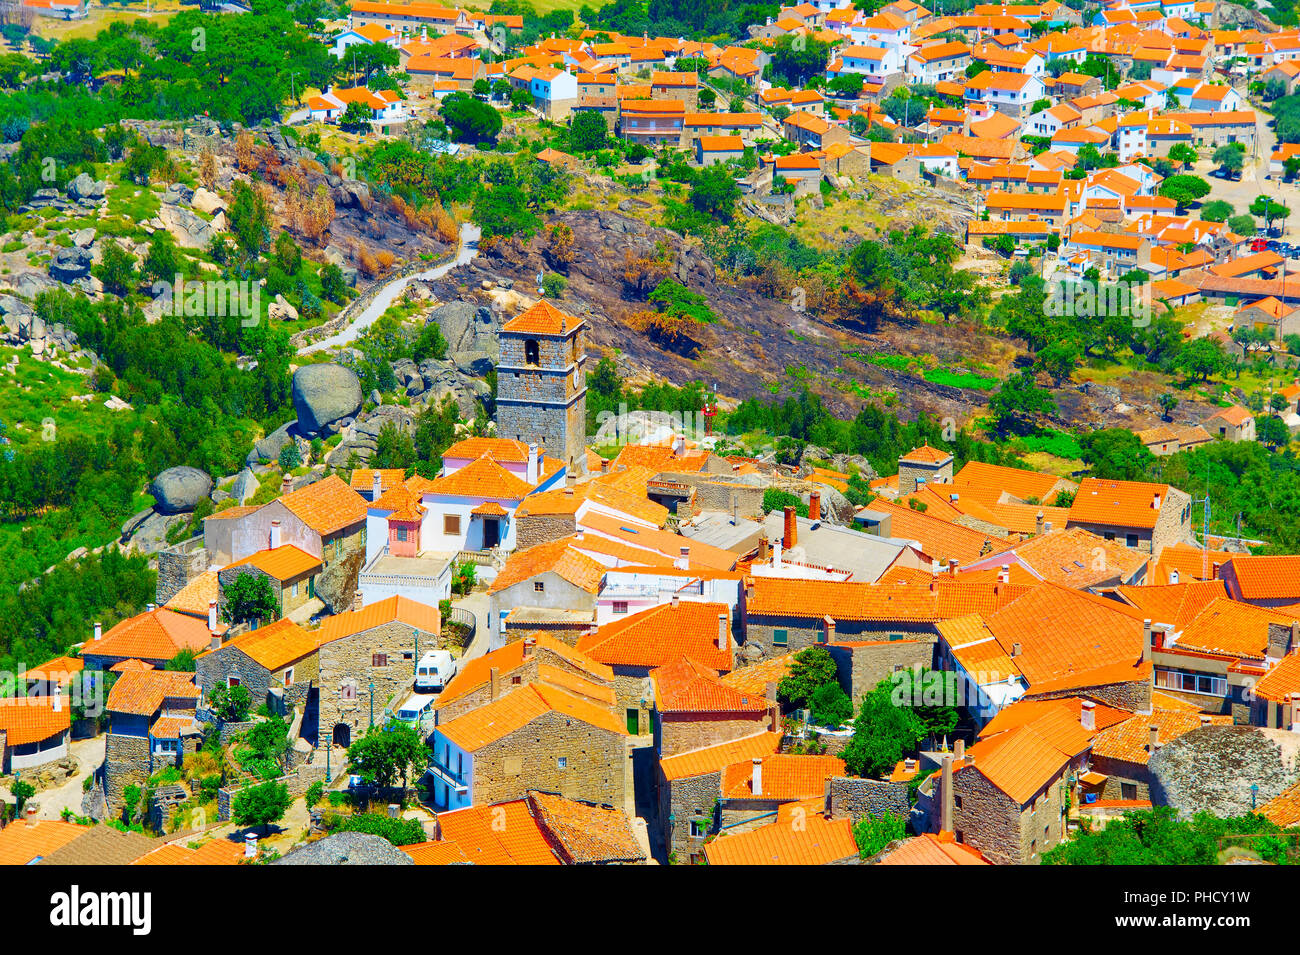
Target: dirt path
(90,756)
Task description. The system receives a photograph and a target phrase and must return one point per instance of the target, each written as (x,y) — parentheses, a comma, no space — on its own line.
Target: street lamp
(372,702)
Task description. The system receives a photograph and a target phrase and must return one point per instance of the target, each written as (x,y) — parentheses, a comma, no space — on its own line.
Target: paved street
(90,755)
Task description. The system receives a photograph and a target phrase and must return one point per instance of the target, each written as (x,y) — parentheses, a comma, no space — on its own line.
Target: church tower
(541,384)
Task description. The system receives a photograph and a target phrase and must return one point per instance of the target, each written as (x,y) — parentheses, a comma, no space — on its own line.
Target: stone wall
(1133,695)
(1119,773)
(126,763)
(537,529)
(632,693)
(1006,832)
(177,566)
(215,668)
(297,782)
(694,798)
(595,763)
(349,661)
(850,796)
(804,632)
(683,732)
(860,668)
(544,403)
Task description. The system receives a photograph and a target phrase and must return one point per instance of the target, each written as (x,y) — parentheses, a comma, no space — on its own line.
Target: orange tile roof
(990,481)
(660,635)
(437,853)
(212,852)
(753,679)
(818,841)
(195,596)
(934,849)
(504,450)
(1266,578)
(477,671)
(1118,503)
(560,557)
(132,664)
(1128,740)
(274,646)
(363,479)
(1020,762)
(402,503)
(714,759)
(22,843)
(1282,681)
(544,318)
(784,776)
(142,692)
(284,563)
(849,600)
(1074,557)
(505,834)
(586,834)
(496,720)
(940,539)
(1191,563)
(1282,810)
(326,506)
(1233,628)
(685,686)
(660,457)
(482,477)
(1058,721)
(702,556)
(60,670)
(33,719)
(157,634)
(1174,604)
(396,608)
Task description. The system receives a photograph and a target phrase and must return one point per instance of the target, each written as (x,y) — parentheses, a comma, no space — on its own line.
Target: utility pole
(1205,530)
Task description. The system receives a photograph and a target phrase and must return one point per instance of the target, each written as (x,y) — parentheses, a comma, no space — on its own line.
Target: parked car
(434,671)
(415,707)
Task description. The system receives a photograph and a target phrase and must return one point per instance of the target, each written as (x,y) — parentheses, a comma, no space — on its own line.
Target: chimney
(676,601)
(275,534)
(358,600)
(1173,576)
(791,536)
(679,445)
(376,488)
(57,697)
(1004,575)
(531,476)
(99,630)
(1146,641)
(1153,741)
(1214,571)
(724,633)
(250,846)
(31,813)
(530,644)
(735,509)
(683,561)
(214,640)
(959,749)
(954,498)
(1038,523)
(758,776)
(1088,716)
(934,584)
(493,674)
(953,564)
(815,506)
(212,615)
(828,629)
(568,492)
(286,486)
(945,813)
(1155,502)
(1047,527)
(150,608)
(1015,649)
(1205,719)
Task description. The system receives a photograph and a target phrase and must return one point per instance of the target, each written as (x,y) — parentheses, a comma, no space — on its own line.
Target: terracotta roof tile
(714,759)
(195,596)
(33,719)
(503,450)
(685,686)
(560,557)
(142,692)
(1233,628)
(274,646)
(396,608)
(543,319)
(155,635)
(326,506)
(587,835)
(496,720)
(753,679)
(477,671)
(22,843)
(784,776)
(1128,740)
(1118,503)
(60,669)
(284,563)
(1174,604)
(660,635)
(932,849)
(483,477)
(505,834)
(849,600)
(818,841)
(1267,578)
(1020,762)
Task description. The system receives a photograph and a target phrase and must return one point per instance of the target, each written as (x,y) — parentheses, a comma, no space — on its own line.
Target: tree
(386,753)
(1182,152)
(715,192)
(930,694)
(1201,358)
(882,734)
(22,791)
(1184,190)
(1229,159)
(250,597)
(1272,430)
(1018,401)
(261,805)
(830,705)
(874,833)
(183,662)
(231,704)
(587,131)
(356,116)
(1217,210)
(1242,225)
(1168,402)
(521,98)
(1268,209)
(1116,454)
(1291,168)
(470,120)
(810,670)
(160,262)
(116,269)
(1277,402)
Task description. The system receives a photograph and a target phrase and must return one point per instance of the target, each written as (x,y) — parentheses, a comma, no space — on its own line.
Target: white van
(415,707)
(434,671)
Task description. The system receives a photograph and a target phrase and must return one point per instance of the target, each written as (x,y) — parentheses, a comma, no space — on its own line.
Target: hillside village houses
(618,666)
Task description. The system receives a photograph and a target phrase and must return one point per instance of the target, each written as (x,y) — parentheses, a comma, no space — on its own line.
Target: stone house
(689,788)
(152,725)
(290,570)
(326,519)
(366,657)
(640,642)
(1145,516)
(1120,753)
(694,709)
(279,659)
(1232,424)
(33,732)
(536,658)
(538,737)
(153,637)
(860,665)
(923,465)
(555,575)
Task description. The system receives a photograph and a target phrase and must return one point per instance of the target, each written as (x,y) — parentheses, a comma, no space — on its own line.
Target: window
(780,637)
(401,535)
(516,681)
(1128,791)
(451,523)
(539,586)
(532,352)
(232,681)
(697,829)
(288,677)
(620,606)
(956,802)
(1109,535)
(562,763)
(348,691)
(408,655)
(1131,540)
(379,659)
